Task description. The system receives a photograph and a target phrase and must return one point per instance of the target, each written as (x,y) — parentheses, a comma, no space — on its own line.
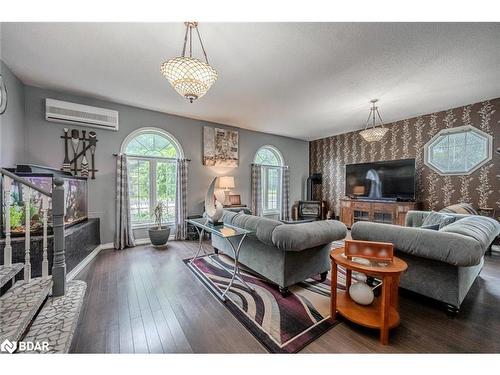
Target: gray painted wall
(12,120)
(44,147)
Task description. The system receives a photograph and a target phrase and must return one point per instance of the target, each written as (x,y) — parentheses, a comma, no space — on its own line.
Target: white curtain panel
(285,194)
(124,236)
(256,189)
(180,202)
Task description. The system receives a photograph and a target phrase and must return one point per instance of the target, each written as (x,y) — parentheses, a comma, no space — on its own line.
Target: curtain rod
(270,165)
(152,157)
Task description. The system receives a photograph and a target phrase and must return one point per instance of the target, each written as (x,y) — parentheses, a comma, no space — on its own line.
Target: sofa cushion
(297,237)
(228,216)
(244,210)
(437,218)
(416,218)
(482,229)
(460,208)
(245,221)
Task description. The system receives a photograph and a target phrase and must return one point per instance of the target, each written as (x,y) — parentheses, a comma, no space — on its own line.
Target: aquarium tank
(75,200)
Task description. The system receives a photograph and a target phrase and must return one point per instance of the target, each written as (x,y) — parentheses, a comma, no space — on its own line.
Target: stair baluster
(7,252)
(59,265)
(27,229)
(45,262)
(59,256)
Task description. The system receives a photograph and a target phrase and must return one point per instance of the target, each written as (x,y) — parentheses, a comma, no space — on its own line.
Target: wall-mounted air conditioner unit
(78,114)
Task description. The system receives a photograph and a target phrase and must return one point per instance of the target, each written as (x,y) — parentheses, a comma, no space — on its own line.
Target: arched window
(152,155)
(271,162)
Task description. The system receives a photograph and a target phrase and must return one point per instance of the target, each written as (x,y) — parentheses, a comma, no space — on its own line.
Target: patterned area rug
(281,324)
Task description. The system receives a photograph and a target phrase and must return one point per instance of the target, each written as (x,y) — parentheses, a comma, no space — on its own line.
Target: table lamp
(226,183)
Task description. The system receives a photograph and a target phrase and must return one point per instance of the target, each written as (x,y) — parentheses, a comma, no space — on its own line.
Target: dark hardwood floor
(145,300)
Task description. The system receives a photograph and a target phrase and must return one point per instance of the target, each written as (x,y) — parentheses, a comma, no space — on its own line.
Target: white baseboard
(142,241)
(138,242)
(107,246)
(80,266)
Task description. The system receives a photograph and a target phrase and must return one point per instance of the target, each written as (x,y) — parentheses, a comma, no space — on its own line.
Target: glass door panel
(166,187)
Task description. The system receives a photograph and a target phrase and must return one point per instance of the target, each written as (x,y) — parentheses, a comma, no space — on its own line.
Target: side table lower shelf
(367,316)
(382,313)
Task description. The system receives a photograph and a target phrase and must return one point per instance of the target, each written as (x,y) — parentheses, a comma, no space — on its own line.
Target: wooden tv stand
(387,212)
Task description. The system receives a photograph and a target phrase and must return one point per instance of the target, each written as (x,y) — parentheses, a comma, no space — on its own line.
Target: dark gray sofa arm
(297,237)
(451,248)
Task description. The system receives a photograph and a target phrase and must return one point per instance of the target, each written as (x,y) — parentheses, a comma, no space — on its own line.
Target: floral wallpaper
(406,139)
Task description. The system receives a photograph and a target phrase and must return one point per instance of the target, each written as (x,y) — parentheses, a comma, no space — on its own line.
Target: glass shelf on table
(367,262)
(221,230)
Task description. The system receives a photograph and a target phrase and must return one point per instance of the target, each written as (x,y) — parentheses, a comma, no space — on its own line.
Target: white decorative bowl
(361,293)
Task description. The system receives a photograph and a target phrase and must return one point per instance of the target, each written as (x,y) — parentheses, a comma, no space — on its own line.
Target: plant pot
(159,237)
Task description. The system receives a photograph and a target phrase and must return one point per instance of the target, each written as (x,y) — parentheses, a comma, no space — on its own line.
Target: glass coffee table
(234,237)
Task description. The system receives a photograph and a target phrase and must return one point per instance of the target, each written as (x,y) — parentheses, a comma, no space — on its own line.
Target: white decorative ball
(358,276)
(361,293)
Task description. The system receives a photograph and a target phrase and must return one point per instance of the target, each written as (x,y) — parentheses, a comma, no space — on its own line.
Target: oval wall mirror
(3,95)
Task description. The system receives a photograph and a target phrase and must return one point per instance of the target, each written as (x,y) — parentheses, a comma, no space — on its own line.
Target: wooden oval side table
(383,313)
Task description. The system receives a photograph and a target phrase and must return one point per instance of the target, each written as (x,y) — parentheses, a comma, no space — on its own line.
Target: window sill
(269,213)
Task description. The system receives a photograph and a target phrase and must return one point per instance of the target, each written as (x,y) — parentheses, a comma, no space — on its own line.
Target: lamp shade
(226,182)
(190,77)
(373,134)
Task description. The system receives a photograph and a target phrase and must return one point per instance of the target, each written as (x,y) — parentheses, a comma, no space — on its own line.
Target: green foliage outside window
(144,192)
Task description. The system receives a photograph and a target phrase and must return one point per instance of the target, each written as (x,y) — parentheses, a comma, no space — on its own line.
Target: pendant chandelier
(190,77)
(373,133)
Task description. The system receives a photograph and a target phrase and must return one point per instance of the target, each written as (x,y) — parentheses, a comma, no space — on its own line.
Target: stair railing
(59,257)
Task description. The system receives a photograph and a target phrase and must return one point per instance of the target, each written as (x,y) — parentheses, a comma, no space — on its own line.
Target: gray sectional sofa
(283,253)
(442,264)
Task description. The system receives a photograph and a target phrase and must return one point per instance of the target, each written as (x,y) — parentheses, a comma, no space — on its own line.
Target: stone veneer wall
(81,239)
(406,139)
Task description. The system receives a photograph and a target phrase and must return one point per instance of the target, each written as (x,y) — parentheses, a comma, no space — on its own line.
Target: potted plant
(159,235)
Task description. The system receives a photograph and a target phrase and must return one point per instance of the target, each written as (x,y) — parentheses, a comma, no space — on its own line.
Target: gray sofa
(442,264)
(283,253)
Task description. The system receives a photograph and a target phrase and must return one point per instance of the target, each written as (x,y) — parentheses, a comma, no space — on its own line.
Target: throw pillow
(436,218)
(460,208)
(431,227)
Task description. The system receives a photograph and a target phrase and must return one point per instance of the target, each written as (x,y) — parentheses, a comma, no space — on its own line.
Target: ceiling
(302,80)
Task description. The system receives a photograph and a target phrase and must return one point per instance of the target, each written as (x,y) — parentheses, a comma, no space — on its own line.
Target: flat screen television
(383,180)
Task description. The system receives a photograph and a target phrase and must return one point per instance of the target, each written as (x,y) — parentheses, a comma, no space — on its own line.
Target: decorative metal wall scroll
(81,145)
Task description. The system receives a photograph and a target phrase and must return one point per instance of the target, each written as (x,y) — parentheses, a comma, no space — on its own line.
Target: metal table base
(236,274)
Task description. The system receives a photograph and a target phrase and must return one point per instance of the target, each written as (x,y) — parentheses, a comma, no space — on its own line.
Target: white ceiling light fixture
(373,132)
(190,77)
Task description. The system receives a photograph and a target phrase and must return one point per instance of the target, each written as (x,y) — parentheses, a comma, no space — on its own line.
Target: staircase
(37,315)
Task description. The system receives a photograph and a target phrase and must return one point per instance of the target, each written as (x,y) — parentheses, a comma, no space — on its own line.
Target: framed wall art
(220,147)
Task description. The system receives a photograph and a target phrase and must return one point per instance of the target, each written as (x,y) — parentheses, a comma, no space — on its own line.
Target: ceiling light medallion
(190,77)
(373,133)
